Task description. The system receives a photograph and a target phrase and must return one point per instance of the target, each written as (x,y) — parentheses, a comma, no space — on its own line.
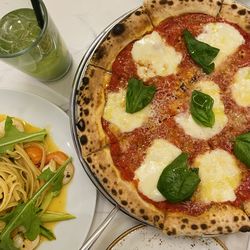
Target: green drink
(39,53)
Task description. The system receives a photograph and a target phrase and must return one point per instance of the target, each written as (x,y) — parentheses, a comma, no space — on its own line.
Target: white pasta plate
(81,194)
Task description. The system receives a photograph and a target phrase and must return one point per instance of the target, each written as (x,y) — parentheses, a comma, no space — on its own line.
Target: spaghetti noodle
(18,178)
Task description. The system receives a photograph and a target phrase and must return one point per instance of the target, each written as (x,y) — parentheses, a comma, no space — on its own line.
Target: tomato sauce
(188,207)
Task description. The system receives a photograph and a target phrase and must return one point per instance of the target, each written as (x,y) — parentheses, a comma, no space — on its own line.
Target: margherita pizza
(164,115)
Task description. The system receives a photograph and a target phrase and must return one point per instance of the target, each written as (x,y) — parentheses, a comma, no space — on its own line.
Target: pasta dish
(30,177)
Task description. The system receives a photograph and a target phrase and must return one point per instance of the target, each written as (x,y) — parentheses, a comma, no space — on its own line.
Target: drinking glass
(37,51)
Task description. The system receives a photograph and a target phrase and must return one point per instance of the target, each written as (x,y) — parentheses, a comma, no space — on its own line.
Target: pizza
(163,115)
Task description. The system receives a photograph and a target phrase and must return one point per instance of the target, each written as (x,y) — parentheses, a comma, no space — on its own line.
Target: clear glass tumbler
(39,52)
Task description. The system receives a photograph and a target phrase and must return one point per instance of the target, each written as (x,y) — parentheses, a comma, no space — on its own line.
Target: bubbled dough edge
(159,10)
(90,106)
(236,13)
(218,219)
(128,30)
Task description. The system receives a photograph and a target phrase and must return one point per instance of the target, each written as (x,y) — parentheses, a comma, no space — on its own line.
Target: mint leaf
(177,181)
(13,136)
(203,54)
(27,215)
(138,95)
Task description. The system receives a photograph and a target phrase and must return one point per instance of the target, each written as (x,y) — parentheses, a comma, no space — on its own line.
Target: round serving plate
(77,84)
(146,238)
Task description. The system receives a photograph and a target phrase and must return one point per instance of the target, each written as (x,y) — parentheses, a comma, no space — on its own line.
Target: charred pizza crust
(219,218)
(236,13)
(132,28)
(159,10)
(246,207)
(90,106)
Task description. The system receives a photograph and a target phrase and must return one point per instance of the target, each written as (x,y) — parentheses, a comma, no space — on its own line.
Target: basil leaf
(13,135)
(201,109)
(242,148)
(138,95)
(202,53)
(178,182)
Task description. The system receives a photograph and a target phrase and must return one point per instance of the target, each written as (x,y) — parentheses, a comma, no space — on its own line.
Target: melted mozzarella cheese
(115,112)
(219,174)
(153,57)
(241,87)
(197,131)
(159,155)
(222,36)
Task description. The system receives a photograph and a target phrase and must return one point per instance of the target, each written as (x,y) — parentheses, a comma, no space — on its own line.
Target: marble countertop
(79,22)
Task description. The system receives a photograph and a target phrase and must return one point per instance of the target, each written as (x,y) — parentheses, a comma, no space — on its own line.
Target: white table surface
(79,22)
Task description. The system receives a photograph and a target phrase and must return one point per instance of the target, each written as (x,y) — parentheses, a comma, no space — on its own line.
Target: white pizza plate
(143,237)
(81,194)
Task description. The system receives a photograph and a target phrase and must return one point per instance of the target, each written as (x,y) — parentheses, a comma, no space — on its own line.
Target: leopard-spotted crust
(90,105)
(159,10)
(219,219)
(246,206)
(128,30)
(123,192)
(236,13)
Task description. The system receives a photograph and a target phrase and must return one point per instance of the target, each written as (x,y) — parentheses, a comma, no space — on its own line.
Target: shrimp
(59,157)
(24,244)
(30,245)
(35,153)
(18,124)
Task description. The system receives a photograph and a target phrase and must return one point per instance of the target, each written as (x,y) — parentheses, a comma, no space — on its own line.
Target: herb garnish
(242,148)
(201,109)
(138,95)
(178,182)
(202,53)
(13,136)
(27,214)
